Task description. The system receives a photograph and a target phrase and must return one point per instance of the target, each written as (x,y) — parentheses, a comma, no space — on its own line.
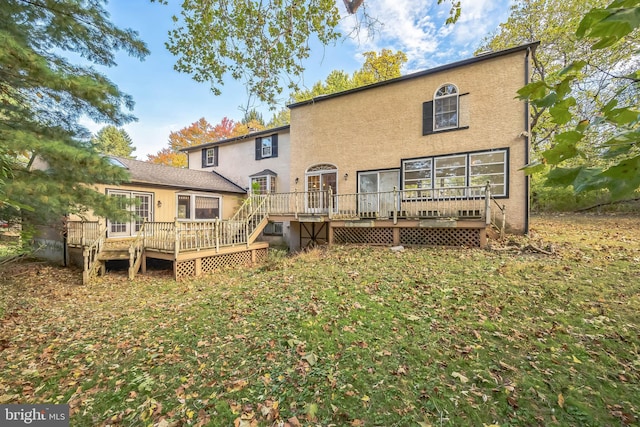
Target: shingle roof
(264,173)
(151,173)
(248,136)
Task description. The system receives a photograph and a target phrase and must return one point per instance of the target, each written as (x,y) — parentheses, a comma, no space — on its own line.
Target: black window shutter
(258,148)
(204,158)
(427,118)
(215,156)
(274,145)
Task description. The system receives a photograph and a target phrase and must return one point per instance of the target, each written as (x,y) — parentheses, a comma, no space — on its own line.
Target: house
(164,194)
(183,216)
(259,162)
(431,157)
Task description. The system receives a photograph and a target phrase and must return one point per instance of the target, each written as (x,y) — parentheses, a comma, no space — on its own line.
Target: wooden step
(113,254)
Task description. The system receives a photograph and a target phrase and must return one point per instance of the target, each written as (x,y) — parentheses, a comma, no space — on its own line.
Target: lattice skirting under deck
(368,236)
(213,263)
(440,236)
(409,236)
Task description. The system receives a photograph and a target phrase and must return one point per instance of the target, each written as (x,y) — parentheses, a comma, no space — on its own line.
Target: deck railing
(451,202)
(473,202)
(82,233)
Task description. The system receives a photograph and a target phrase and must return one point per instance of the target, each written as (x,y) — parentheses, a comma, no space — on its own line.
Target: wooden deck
(455,216)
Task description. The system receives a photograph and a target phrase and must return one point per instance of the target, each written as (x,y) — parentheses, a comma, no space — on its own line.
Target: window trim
(468,154)
(275,225)
(210,155)
(192,206)
(437,98)
(269,147)
(271,183)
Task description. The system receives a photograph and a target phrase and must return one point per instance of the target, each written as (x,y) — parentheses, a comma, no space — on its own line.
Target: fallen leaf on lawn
(561,400)
(8,398)
(576,360)
(237,386)
(311,358)
(293,422)
(459,376)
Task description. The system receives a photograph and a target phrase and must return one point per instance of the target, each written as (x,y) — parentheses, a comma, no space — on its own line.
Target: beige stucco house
(455,125)
(411,157)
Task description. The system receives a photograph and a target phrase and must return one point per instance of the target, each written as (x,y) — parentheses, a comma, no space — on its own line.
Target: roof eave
(434,70)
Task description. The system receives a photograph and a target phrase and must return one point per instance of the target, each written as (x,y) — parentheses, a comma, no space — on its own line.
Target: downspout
(527,130)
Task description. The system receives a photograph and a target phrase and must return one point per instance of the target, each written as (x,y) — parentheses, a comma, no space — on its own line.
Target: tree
(114,141)
(42,96)
(609,30)
(376,68)
(281,118)
(197,133)
(260,43)
(558,48)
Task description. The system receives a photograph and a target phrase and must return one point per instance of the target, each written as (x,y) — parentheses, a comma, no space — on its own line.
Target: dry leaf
(561,400)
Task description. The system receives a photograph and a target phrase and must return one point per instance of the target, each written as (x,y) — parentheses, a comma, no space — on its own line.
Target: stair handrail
(90,253)
(253,206)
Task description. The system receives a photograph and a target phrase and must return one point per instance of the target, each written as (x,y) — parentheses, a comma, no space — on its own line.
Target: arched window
(445,107)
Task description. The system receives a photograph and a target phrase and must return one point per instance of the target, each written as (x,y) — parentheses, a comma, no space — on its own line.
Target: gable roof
(186,179)
(248,136)
(462,63)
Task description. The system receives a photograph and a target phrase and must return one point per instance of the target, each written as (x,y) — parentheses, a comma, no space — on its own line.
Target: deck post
(295,200)
(487,204)
(198,266)
(396,201)
(132,262)
(330,193)
(176,249)
(85,269)
(246,232)
(82,239)
(217,234)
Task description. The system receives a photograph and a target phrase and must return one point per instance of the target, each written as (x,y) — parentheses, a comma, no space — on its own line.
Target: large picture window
(448,176)
(198,207)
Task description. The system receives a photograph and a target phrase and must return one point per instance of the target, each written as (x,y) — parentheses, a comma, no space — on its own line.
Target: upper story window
(446,111)
(267,147)
(445,107)
(209,157)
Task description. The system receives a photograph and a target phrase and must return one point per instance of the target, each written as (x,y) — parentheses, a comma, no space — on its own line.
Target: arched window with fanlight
(445,107)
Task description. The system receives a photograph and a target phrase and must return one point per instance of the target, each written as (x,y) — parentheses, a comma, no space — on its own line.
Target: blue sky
(167,101)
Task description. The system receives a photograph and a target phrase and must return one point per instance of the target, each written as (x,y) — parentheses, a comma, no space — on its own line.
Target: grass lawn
(351,336)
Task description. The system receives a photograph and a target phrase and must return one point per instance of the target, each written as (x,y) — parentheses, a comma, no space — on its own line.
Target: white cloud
(418,28)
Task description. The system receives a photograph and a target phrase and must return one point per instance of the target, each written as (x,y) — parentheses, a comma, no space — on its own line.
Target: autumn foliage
(198,133)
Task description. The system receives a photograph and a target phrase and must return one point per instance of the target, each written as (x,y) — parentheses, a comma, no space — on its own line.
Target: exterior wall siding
(377,128)
(236,161)
(168,197)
